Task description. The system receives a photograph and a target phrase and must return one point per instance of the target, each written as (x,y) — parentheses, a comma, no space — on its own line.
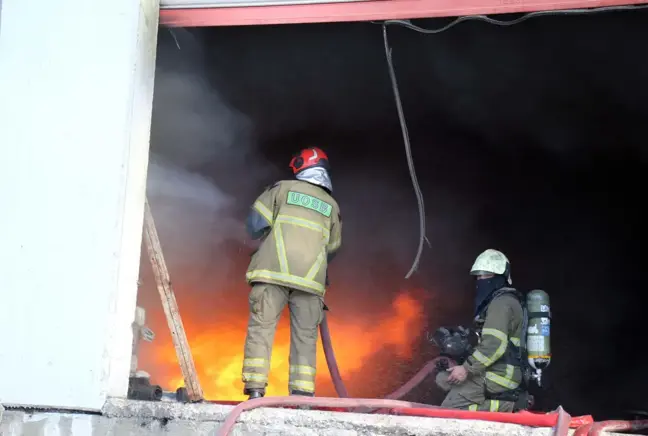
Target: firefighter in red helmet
(300,228)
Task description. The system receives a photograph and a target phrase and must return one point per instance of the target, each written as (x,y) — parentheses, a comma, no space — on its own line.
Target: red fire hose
(605,426)
(598,428)
(428,369)
(340,388)
(311,401)
(331,362)
(583,430)
(561,420)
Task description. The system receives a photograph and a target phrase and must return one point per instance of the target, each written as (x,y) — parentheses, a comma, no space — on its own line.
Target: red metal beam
(366,11)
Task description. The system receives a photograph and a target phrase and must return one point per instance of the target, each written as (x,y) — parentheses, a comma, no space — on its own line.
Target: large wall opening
(529,139)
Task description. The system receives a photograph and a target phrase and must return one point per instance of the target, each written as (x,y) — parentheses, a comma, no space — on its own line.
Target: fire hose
(606,426)
(331,362)
(561,420)
(338,383)
(599,428)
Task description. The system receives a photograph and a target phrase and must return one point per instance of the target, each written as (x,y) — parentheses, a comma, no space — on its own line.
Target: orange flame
(218,349)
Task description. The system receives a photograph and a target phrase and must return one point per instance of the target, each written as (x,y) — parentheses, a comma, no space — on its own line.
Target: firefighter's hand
(457,375)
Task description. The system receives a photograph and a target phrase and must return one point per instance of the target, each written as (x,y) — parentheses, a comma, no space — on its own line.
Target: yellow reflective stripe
(506,381)
(255,362)
(312,225)
(281,249)
(287,279)
(494,332)
(494,405)
(479,356)
(473,407)
(516,341)
(302,385)
(503,342)
(263,210)
(498,379)
(302,369)
(254,377)
(312,272)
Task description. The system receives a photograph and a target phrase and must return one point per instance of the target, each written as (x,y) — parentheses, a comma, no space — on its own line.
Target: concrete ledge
(141,418)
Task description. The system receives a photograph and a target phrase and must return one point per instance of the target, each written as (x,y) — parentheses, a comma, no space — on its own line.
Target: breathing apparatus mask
(454,342)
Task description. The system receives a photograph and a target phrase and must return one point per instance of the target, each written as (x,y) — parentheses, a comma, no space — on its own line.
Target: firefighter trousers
(267,301)
(471,394)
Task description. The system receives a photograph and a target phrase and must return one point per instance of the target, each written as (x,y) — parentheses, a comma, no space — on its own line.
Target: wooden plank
(163,281)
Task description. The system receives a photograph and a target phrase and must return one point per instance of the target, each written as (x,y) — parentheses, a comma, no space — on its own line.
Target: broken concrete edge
(122,414)
(316,421)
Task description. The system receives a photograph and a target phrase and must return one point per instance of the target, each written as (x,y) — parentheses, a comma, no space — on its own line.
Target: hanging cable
(388,54)
(408,152)
(487,19)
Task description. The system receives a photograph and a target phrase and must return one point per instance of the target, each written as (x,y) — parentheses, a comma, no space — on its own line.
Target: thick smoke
(196,138)
(526,139)
(206,169)
(192,216)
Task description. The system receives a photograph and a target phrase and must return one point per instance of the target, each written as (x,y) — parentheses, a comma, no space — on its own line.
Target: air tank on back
(538,332)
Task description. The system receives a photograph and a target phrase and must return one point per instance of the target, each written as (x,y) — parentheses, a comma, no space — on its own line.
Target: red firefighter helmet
(309,158)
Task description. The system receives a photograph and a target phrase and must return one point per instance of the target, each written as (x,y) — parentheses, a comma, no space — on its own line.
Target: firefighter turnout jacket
(493,357)
(304,218)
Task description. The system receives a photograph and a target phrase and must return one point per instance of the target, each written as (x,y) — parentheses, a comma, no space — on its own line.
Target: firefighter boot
(254,393)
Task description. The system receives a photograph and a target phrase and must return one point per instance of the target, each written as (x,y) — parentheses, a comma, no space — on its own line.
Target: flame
(217,349)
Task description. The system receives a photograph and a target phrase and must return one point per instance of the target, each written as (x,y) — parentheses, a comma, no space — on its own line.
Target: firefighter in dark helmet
(300,228)
(490,377)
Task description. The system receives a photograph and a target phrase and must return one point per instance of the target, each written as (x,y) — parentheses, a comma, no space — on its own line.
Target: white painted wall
(76,87)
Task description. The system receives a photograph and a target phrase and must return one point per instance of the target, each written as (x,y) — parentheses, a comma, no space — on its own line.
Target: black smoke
(529,139)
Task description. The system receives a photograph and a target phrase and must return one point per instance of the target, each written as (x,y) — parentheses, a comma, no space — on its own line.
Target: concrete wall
(139,418)
(76,86)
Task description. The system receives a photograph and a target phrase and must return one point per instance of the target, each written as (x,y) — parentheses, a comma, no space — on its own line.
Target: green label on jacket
(309,202)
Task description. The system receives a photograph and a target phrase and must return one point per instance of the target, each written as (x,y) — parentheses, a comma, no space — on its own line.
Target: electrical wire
(408,24)
(399,106)
(408,152)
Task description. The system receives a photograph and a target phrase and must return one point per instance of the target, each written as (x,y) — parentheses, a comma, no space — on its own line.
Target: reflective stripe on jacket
(502,327)
(305,228)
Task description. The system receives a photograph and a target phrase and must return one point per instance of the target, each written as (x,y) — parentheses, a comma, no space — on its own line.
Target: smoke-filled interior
(529,139)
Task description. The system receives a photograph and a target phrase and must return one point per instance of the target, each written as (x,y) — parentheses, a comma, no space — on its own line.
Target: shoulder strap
(502,291)
(525,316)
